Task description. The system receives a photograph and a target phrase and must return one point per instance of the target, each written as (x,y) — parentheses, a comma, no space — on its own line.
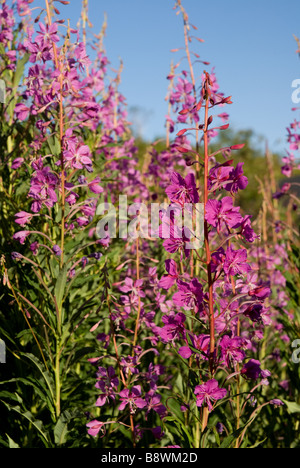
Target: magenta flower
(95,186)
(37,52)
(261,291)
(183,190)
(236,262)
(208,393)
(185,352)
(56,249)
(173,328)
(34,247)
(47,34)
(107,383)
(231,350)
(23,218)
(154,403)
(254,312)
(202,342)
(220,212)
(22,111)
(276,402)
(78,156)
(218,176)
(252,370)
(135,287)
(17,163)
(178,239)
(247,231)
(169,280)
(42,189)
(129,365)
(132,398)
(239,181)
(21,236)
(189,296)
(81,56)
(94,427)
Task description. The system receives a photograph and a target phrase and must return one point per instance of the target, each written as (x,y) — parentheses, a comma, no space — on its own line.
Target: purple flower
(22,111)
(185,352)
(95,186)
(276,402)
(154,403)
(135,287)
(217,260)
(218,176)
(183,190)
(158,433)
(23,218)
(220,428)
(81,56)
(94,427)
(79,156)
(17,163)
(129,364)
(239,181)
(231,351)
(21,236)
(132,398)
(261,292)
(174,327)
(107,383)
(247,230)
(189,296)
(177,239)
(202,342)
(56,249)
(42,189)
(209,392)
(15,255)
(254,312)
(251,369)
(47,34)
(37,52)
(34,247)
(220,212)
(169,280)
(236,262)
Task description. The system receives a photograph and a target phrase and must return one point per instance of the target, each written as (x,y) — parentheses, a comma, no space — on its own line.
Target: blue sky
(250,44)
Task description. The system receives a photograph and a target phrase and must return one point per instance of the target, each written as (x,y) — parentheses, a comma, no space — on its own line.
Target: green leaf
(35,422)
(40,389)
(12,443)
(54,146)
(232,437)
(258,443)
(44,373)
(61,428)
(292,406)
(16,81)
(181,430)
(60,286)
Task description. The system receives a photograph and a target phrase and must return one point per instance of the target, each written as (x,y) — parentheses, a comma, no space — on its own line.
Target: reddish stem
(206,237)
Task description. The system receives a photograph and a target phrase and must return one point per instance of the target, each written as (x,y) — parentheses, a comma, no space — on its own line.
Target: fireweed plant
(139,341)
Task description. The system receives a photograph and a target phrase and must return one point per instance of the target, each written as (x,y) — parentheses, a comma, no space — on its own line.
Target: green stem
(57,379)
